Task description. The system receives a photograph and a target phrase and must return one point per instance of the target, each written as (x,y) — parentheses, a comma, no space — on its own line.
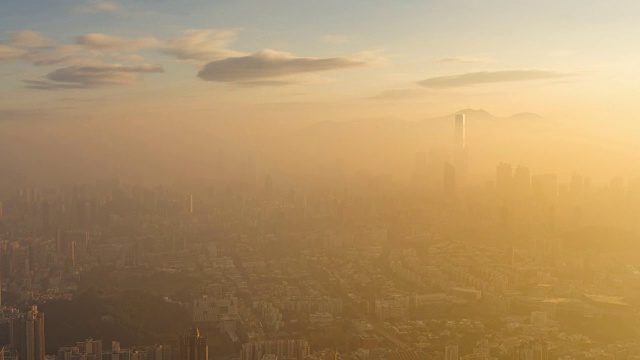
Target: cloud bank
(487,77)
(269,64)
(108,42)
(465,60)
(95,59)
(83,77)
(98,6)
(201,45)
(27,39)
(10,53)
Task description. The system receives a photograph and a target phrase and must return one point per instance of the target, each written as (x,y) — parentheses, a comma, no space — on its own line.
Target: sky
(330,59)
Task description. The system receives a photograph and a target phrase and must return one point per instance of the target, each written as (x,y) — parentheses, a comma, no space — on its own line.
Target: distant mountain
(527,116)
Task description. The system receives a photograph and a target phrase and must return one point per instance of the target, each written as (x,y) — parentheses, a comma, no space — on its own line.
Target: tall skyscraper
(460,148)
(27,335)
(194,346)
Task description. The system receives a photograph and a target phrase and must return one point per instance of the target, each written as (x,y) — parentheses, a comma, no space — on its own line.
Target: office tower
(159,352)
(460,148)
(91,348)
(27,335)
(451,352)
(194,346)
(449,178)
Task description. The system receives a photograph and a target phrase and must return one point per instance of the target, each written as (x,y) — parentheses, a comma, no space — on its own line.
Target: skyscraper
(27,335)
(194,346)
(460,148)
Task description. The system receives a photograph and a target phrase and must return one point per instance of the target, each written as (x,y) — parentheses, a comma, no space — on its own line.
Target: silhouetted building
(194,346)
(27,335)
(91,349)
(460,148)
(451,352)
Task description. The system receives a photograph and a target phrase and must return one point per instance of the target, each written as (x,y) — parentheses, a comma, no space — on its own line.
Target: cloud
(465,60)
(84,77)
(108,42)
(269,64)
(97,6)
(24,114)
(55,55)
(201,45)
(486,77)
(10,53)
(261,83)
(335,39)
(27,39)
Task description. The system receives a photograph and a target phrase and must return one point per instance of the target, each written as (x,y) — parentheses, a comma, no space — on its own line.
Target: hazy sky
(330,59)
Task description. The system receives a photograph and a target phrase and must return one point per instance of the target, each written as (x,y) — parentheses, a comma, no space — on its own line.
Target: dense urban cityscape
(319,180)
(363,269)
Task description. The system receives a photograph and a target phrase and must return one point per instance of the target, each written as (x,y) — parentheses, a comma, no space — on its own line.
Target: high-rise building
(27,335)
(159,352)
(194,346)
(460,148)
(451,352)
(92,349)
